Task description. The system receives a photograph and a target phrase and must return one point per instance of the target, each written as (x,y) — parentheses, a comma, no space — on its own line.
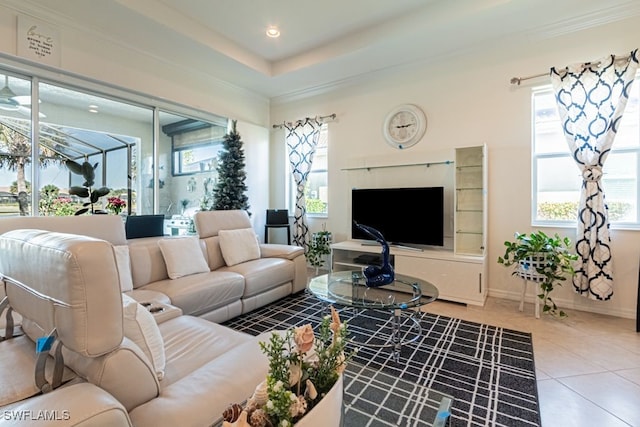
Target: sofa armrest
(273,250)
(163,312)
(81,404)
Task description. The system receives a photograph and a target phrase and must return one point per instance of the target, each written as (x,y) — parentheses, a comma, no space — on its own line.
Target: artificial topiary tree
(230,189)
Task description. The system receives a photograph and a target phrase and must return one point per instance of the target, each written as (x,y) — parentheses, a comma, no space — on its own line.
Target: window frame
(616,225)
(290,186)
(37,75)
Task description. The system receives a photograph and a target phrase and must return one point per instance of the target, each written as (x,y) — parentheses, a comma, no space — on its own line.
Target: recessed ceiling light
(273,32)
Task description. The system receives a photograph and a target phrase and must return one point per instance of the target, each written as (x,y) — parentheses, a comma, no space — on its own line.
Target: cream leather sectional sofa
(122,364)
(217,293)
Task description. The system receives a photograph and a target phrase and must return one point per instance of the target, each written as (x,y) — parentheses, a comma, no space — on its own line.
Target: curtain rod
(321,118)
(517,80)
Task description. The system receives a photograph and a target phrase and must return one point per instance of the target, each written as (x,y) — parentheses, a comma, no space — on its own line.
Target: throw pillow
(239,245)
(141,328)
(183,256)
(123,262)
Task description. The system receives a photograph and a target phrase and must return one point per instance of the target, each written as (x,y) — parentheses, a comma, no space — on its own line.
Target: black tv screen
(402,215)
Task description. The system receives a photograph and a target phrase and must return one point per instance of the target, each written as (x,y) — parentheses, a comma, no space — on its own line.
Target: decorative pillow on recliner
(183,256)
(239,245)
(141,328)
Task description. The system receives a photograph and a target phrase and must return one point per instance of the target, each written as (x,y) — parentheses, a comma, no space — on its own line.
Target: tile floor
(587,365)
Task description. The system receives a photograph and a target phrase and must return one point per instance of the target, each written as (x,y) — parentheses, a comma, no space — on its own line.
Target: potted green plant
(87,190)
(319,247)
(543,259)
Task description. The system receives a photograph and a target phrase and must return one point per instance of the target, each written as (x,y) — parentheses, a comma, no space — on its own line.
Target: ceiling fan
(9,101)
(6,97)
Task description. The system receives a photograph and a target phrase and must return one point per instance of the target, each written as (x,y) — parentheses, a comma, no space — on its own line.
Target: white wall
(468,101)
(257,167)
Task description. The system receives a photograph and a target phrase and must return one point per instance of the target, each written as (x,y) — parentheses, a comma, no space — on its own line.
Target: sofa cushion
(183,256)
(197,294)
(209,223)
(214,254)
(263,274)
(232,374)
(239,245)
(141,328)
(147,262)
(192,342)
(123,262)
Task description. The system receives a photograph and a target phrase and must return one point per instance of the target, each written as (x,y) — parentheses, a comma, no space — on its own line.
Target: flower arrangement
(302,369)
(115,205)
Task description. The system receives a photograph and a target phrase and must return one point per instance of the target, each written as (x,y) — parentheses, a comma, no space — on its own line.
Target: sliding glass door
(120,138)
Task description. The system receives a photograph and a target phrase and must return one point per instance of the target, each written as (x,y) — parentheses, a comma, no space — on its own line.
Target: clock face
(404,126)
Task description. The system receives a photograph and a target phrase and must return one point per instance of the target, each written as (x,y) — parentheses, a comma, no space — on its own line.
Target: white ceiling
(323,42)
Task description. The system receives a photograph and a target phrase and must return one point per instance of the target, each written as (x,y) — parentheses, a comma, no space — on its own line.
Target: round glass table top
(349,288)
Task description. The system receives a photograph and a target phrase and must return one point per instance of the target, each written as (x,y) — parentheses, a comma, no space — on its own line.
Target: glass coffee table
(348,288)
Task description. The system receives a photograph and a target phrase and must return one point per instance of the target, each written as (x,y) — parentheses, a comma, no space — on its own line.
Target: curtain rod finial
(515,81)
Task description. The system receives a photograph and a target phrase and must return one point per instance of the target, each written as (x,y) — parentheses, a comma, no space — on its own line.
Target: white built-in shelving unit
(470,201)
(460,274)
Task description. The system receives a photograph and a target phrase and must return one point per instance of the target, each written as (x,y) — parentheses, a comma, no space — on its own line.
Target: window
(557,180)
(195,146)
(316,190)
(115,131)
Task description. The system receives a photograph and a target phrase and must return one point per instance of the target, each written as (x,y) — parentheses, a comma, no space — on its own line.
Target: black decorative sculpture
(378,276)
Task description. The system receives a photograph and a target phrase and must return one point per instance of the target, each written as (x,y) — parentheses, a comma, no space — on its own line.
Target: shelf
(348,264)
(470,201)
(446,162)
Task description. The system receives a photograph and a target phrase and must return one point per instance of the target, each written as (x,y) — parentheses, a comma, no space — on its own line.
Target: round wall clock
(404,126)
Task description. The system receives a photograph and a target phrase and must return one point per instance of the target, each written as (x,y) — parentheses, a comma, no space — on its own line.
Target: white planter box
(327,413)
(527,268)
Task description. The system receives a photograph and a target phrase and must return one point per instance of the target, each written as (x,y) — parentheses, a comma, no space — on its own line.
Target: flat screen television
(404,216)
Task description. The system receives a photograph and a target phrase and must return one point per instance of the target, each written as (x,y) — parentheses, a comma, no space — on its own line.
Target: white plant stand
(527,271)
(524,291)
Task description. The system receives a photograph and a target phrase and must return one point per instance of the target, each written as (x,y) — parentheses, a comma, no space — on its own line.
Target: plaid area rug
(488,370)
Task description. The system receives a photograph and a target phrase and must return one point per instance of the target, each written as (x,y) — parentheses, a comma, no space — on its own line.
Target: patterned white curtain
(591,98)
(302,138)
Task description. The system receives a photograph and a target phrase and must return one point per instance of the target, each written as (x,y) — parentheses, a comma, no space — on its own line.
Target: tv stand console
(459,278)
(393,245)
